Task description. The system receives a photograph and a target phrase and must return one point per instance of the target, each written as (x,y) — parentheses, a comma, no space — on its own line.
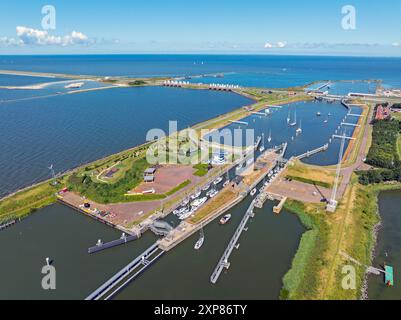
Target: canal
(388,247)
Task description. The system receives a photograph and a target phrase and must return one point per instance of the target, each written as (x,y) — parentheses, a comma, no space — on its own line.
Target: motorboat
(253,192)
(196,195)
(198,202)
(218,180)
(205,188)
(225,219)
(212,193)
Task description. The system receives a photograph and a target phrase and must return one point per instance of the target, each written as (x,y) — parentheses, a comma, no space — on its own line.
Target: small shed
(149,178)
(150,172)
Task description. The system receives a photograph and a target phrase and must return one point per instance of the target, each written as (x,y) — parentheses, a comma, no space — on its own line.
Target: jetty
(350,124)
(126,275)
(7,225)
(239,122)
(223,263)
(265,114)
(311,153)
(100,246)
(341,137)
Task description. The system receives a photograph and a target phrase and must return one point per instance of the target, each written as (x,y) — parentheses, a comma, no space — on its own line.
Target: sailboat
(270,137)
(262,148)
(201,240)
(299,130)
(293,124)
(289,116)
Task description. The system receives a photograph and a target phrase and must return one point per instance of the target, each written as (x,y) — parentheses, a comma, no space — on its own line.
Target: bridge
(311,153)
(223,263)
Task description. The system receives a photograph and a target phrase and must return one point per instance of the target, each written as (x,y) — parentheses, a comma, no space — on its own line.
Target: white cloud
(395,44)
(30,36)
(279,44)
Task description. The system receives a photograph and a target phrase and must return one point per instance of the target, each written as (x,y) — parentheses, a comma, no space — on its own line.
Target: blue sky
(256,26)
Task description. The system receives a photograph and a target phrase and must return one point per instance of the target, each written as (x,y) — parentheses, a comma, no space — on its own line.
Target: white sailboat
(293,124)
(289,116)
(262,148)
(299,130)
(201,240)
(269,139)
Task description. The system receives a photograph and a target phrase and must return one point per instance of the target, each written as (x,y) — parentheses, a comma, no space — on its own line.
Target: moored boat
(218,180)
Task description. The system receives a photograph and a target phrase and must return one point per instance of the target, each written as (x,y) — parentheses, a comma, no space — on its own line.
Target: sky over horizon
(366,27)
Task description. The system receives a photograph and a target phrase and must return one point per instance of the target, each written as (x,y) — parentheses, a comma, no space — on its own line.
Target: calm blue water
(248,70)
(315,133)
(56,88)
(11,80)
(74,129)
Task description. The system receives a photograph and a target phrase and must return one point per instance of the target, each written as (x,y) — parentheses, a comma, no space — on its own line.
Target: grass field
(25,202)
(310,174)
(316,271)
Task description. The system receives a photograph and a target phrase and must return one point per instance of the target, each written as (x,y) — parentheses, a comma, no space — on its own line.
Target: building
(149,175)
(382,113)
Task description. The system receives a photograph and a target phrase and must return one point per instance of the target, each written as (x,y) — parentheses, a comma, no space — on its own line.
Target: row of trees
(383,154)
(109,193)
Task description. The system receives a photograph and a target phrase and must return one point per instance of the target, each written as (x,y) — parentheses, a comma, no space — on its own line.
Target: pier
(7,225)
(311,153)
(239,122)
(340,137)
(223,263)
(350,124)
(126,275)
(265,114)
(103,246)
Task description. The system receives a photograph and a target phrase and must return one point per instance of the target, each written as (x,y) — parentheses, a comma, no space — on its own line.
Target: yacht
(225,219)
(196,195)
(262,148)
(212,193)
(205,188)
(293,124)
(299,130)
(199,202)
(187,215)
(218,180)
(200,242)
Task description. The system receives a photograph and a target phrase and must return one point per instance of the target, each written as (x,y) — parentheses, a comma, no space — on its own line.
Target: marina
(302,130)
